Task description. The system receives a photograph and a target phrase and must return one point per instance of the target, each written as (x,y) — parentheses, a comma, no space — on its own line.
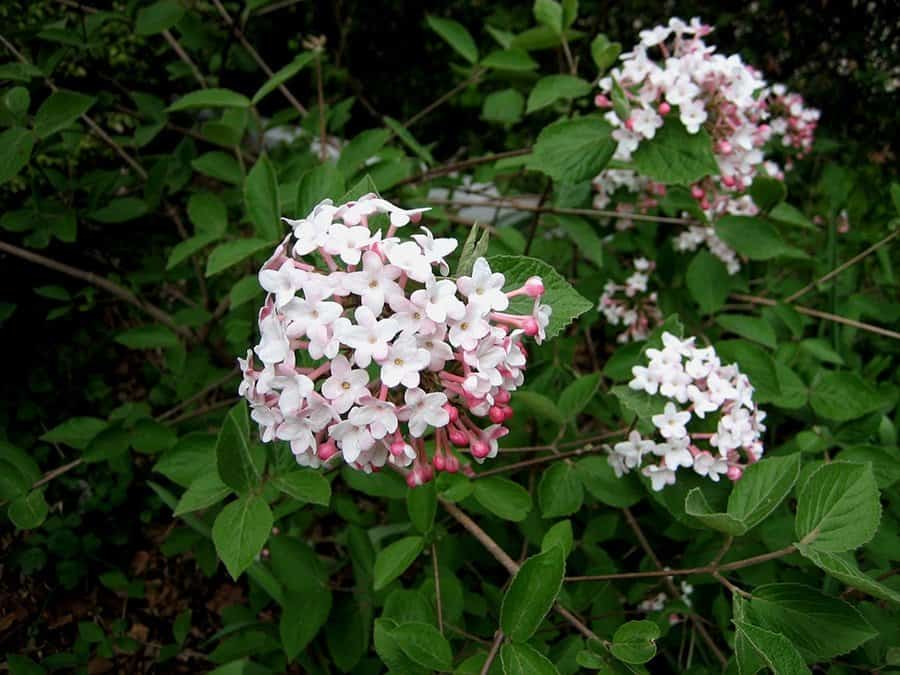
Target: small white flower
(659,476)
(283,282)
(671,423)
(484,289)
(370,337)
(348,242)
(403,362)
(352,439)
(345,386)
(423,410)
(435,250)
(408,257)
(440,301)
(375,283)
(711,467)
(379,416)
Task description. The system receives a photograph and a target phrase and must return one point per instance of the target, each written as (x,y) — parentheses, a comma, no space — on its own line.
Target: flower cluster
(388,350)
(720,94)
(702,393)
(631,304)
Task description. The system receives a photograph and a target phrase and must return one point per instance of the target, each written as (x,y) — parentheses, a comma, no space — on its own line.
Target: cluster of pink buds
(364,351)
(700,392)
(631,304)
(673,72)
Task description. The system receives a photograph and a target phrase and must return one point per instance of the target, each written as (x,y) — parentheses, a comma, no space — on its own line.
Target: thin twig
(56,473)
(586,450)
(837,270)
(730,586)
(673,589)
(492,654)
(508,203)
(183,55)
(199,412)
(119,291)
(473,78)
(199,395)
(878,330)
(239,34)
(320,94)
(452,167)
(437,589)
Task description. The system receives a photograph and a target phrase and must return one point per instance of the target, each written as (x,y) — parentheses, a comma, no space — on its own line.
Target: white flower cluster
(389,351)
(721,94)
(698,387)
(632,304)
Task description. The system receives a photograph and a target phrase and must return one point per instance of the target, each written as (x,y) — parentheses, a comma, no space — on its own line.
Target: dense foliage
(628,404)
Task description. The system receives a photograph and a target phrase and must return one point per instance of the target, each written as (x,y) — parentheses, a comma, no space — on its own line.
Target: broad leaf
(393,560)
(60,110)
(240,531)
(456,35)
(570,151)
(503,498)
(240,462)
(261,200)
(532,593)
(673,156)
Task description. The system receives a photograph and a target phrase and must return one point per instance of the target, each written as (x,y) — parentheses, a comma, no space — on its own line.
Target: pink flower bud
(725,147)
(502,396)
(398,448)
(530,326)
(439,463)
(534,287)
(452,464)
(508,413)
(480,449)
(728,181)
(413,479)
(602,101)
(704,203)
(452,411)
(496,414)
(327,450)
(629,124)
(735,473)
(458,438)
(664,108)
(697,192)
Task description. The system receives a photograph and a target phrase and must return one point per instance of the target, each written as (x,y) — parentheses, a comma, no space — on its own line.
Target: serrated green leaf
(231,253)
(283,75)
(240,531)
(532,593)
(838,507)
(675,157)
(28,511)
(634,642)
(59,110)
(573,150)
(774,649)
(16,145)
(843,396)
(560,492)
(520,659)
(159,16)
(424,645)
(844,568)
(553,88)
(305,485)
(708,281)
(321,182)
(261,200)
(514,60)
(205,491)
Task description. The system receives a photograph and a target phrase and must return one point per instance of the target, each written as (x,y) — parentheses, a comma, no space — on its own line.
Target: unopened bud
(534,287)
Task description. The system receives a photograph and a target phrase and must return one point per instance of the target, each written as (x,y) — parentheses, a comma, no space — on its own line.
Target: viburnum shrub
(656,290)
(384,341)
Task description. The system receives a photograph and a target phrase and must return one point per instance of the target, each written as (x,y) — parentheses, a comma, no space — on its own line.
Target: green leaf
(456,35)
(819,626)
(566,302)
(542,407)
(883,460)
(408,139)
(542,37)
(240,463)
(15,151)
(474,247)
(304,613)
(18,472)
(363,186)
(22,665)
(604,53)
(261,199)
(573,150)
(790,215)
(231,253)
(560,492)
(532,593)
(774,649)
(504,106)
(205,491)
(754,237)
(750,327)
(559,535)
(578,394)
(580,231)
(767,192)
(210,98)
(708,281)
(844,568)
(59,110)
(525,660)
(189,458)
(503,498)
(843,396)
(305,485)
(240,531)
(282,76)
(185,249)
(28,511)
(634,642)
(696,506)
(514,60)
(838,507)
(321,182)
(393,560)
(159,16)
(120,210)
(549,13)
(421,504)
(756,363)
(147,337)
(423,644)
(762,488)
(75,432)
(219,165)
(600,480)
(364,146)
(208,213)
(553,88)
(673,156)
